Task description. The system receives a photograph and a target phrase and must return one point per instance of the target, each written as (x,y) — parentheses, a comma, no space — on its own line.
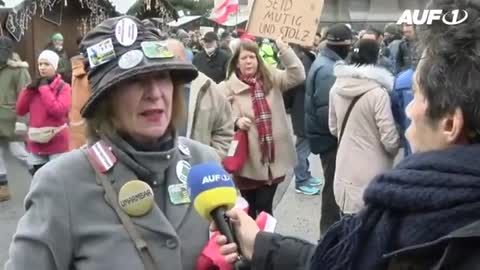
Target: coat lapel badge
(102,157)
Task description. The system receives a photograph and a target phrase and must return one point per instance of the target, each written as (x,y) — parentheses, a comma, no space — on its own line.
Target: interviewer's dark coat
(422,215)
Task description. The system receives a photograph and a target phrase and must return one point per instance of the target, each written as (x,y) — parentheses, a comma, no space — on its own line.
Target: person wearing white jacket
(209,113)
(370,141)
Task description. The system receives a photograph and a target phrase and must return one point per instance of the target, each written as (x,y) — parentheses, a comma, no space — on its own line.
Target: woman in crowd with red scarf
(256,95)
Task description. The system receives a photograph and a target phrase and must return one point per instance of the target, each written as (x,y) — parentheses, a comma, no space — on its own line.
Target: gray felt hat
(124,47)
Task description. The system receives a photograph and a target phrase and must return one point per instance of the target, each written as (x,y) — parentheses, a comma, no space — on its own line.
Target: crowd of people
(422,214)
(149,107)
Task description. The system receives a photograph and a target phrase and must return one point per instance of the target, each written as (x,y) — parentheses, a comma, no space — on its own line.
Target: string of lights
(20,18)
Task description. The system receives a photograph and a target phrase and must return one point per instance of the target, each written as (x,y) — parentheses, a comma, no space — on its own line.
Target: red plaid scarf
(263,118)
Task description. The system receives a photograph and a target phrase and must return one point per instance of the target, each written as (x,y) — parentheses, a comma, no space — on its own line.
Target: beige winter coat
(371,139)
(210,118)
(238,92)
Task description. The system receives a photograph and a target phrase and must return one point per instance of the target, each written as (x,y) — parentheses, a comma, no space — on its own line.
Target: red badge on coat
(102,156)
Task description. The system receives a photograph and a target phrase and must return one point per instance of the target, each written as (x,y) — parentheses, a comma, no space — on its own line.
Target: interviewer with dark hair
(425,213)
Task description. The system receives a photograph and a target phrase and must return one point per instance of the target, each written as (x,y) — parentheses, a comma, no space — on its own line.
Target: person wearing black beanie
(319,81)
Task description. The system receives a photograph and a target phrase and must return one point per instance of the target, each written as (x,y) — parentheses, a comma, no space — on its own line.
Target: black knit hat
(392,29)
(6,50)
(210,37)
(124,47)
(339,34)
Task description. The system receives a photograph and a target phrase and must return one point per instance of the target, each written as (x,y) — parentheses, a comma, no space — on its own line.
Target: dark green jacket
(64,66)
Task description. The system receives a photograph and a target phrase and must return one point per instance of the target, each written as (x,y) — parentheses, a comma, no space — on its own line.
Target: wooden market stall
(32,23)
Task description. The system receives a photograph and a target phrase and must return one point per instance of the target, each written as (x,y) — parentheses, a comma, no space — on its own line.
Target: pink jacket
(47,109)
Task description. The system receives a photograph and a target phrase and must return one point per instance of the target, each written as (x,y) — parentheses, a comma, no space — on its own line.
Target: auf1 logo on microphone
(215,178)
(421,17)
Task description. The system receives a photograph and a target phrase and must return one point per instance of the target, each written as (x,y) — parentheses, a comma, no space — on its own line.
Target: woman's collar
(164,143)
(237,85)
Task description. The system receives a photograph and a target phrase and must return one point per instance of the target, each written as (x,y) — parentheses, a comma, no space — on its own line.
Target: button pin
(171,244)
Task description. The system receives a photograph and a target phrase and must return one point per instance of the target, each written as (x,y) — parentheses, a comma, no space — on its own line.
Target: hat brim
(180,72)
(209,40)
(343,42)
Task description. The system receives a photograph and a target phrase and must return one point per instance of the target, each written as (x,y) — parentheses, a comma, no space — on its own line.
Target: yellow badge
(136,198)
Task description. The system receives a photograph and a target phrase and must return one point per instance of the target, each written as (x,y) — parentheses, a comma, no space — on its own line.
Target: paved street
(298,215)
(10,212)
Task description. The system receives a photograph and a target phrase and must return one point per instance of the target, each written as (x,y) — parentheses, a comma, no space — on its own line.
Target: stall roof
(156,9)
(121,6)
(183,20)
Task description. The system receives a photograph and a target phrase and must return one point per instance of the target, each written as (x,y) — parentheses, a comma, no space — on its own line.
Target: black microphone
(223,224)
(212,192)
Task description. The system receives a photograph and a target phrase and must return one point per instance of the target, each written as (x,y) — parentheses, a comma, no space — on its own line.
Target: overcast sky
(12,3)
(122,5)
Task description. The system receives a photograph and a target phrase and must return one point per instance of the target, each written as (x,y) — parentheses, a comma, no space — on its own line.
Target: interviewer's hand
(245,230)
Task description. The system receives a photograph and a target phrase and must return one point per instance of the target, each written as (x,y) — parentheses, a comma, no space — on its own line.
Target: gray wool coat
(70,224)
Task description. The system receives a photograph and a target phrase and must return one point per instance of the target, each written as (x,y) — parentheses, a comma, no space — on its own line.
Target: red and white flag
(221,13)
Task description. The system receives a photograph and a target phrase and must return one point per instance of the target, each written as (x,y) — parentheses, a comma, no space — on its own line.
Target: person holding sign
(121,202)
(258,108)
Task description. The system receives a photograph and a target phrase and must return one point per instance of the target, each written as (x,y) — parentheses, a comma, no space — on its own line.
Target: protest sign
(296,21)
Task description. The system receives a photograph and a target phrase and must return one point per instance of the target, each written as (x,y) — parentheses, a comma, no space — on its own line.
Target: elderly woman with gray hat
(121,202)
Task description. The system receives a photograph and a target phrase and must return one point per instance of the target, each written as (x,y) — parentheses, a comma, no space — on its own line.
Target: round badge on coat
(184,149)
(136,198)
(183,168)
(126,32)
(130,59)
